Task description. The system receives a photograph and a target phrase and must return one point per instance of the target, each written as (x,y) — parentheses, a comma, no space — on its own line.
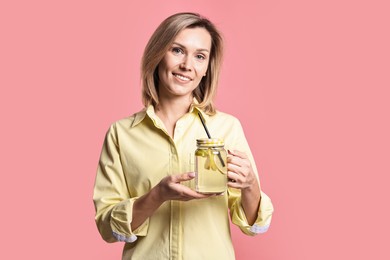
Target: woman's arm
(241,176)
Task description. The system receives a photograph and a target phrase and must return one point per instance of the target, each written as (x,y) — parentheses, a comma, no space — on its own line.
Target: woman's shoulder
(220,116)
(128,121)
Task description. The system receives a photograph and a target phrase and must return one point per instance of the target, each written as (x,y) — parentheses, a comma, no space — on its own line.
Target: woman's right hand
(170,188)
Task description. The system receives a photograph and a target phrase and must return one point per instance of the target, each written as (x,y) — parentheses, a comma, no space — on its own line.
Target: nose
(186,63)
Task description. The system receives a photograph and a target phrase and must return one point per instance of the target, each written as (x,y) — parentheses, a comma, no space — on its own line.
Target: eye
(177,50)
(200,57)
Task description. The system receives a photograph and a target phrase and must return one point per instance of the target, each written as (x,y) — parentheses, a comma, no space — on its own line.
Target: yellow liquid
(210,174)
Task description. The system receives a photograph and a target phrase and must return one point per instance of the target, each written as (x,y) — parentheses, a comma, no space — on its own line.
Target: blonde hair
(161,41)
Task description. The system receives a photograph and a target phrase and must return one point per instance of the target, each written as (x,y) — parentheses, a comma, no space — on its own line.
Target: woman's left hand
(240,172)
(241,176)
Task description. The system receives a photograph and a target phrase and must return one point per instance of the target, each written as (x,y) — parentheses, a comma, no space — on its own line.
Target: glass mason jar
(210,166)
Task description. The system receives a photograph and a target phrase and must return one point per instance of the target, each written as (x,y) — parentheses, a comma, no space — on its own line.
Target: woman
(143,192)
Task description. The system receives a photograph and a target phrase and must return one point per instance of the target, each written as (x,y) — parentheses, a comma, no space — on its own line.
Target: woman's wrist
(252,192)
(156,195)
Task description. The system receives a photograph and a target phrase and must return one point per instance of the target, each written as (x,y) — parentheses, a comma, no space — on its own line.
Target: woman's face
(185,63)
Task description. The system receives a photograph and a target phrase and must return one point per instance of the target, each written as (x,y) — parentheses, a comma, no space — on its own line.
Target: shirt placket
(175,221)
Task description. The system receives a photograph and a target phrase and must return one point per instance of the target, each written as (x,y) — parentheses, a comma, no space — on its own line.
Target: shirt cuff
(263,221)
(121,217)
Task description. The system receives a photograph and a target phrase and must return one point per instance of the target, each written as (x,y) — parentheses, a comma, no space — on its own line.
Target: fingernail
(191,174)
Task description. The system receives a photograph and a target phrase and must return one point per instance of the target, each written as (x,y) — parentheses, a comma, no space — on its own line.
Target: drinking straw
(209,136)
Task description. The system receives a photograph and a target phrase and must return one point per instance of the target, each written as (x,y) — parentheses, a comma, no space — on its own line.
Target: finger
(238,153)
(233,168)
(233,177)
(196,195)
(234,181)
(234,185)
(240,171)
(242,162)
(235,160)
(183,177)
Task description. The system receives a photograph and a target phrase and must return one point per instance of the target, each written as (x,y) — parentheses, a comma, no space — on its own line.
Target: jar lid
(210,141)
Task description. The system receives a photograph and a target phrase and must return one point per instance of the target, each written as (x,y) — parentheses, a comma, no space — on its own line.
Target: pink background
(309,81)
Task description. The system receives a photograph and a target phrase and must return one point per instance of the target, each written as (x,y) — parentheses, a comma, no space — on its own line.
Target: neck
(171,110)
(174,108)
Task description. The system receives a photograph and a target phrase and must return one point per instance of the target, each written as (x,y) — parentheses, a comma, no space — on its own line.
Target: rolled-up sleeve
(112,200)
(237,214)
(264,214)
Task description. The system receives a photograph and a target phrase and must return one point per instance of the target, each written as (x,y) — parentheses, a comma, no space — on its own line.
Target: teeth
(181,77)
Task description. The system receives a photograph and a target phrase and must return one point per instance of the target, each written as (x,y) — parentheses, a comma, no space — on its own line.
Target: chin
(182,91)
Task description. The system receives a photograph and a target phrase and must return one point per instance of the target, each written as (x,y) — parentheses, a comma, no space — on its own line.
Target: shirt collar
(140,116)
(195,109)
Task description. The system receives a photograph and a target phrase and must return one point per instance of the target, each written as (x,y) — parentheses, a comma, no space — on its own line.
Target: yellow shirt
(137,153)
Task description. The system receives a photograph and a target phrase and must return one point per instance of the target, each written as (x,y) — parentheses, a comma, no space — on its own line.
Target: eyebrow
(184,47)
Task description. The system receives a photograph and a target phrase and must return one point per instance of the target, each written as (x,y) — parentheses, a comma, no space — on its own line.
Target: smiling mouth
(181,77)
